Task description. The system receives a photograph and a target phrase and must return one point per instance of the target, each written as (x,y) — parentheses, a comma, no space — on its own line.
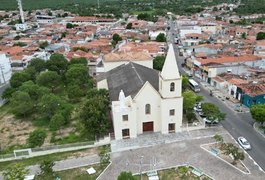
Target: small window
(147,109)
(172,87)
(172,112)
(125,117)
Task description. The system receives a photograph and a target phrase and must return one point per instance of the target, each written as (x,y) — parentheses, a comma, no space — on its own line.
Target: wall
(164,88)
(5,69)
(248,100)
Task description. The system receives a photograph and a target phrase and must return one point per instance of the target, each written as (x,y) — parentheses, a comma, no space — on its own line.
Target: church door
(148,126)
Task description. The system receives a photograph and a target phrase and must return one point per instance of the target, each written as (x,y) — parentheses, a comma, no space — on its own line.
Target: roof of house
(130,78)
(127,56)
(227,59)
(253,89)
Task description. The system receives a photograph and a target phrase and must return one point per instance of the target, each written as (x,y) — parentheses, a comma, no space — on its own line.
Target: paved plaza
(185,150)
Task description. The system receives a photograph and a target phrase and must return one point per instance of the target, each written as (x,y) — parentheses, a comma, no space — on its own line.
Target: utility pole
(98,4)
(141,162)
(21,11)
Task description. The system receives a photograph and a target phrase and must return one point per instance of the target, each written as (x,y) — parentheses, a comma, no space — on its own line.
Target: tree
(215,9)
(230,148)
(32,73)
(70,26)
(50,104)
(260,36)
(18,78)
(219,139)
(244,35)
(36,138)
(7,94)
(44,45)
(212,112)
(189,100)
(258,113)
(21,103)
(129,26)
(16,172)
(94,115)
(77,74)
(116,38)
(190,116)
(183,172)
(185,83)
(34,91)
(49,79)
(46,168)
(80,60)
(126,176)
(158,63)
(74,91)
(38,64)
(104,155)
(57,122)
(57,63)
(161,37)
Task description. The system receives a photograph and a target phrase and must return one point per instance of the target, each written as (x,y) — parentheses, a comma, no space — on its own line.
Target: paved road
(237,124)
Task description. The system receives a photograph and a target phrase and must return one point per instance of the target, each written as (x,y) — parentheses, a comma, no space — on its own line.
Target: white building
(143,99)
(5,69)
(154,34)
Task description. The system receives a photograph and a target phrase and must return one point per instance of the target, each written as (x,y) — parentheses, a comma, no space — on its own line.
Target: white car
(244,143)
(197,109)
(210,121)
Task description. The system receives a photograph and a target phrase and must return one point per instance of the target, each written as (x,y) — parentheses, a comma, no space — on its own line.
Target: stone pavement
(178,153)
(146,140)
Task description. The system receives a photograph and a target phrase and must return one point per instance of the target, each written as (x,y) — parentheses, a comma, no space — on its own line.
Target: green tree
(244,35)
(44,45)
(98,93)
(32,73)
(183,172)
(104,155)
(46,168)
(260,36)
(258,113)
(57,63)
(129,26)
(161,37)
(212,112)
(74,91)
(230,148)
(116,38)
(126,176)
(94,116)
(36,138)
(18,78)
(190,116)
(215,9)
(77,74)
(34,91)
(49,79)
(219,139)
(80,60)
(7,94)
(185,83)
(189,100)
(158,63)
(57,122)
(50,104)
(69,26)
(21,103)
(16,172)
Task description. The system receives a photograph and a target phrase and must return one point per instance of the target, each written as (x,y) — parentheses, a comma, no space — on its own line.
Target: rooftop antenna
(21,11)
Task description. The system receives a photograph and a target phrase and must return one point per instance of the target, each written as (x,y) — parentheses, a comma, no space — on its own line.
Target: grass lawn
(77,173)
(54,157)
(177,173)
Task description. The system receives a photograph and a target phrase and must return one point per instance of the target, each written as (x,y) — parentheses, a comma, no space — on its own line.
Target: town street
(237,124)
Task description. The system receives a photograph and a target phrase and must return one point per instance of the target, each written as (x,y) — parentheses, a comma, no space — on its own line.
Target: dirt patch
(14,131)
(88,152)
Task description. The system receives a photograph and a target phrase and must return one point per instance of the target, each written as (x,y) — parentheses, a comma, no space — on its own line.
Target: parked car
(244,143)
(210,120)
(197,109)
(201,114)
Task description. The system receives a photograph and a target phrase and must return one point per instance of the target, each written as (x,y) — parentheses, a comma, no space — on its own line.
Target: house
(154,34)
(113,60)
(143,99)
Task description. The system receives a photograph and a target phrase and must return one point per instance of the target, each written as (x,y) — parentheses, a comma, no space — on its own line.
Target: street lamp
(141,162)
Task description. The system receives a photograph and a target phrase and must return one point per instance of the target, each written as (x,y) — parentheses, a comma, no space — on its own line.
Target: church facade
(145,100)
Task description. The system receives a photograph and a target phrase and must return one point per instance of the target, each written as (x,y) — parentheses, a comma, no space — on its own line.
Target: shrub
(36,138)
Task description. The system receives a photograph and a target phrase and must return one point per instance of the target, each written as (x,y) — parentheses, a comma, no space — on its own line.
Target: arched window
(172,87)
(147,109)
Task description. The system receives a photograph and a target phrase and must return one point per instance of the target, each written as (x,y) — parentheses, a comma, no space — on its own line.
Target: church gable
(147,90)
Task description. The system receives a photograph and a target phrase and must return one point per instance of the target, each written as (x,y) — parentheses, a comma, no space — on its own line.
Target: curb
(255,128)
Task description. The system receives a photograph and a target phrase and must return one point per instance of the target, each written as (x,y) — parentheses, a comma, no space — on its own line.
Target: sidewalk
(256,128)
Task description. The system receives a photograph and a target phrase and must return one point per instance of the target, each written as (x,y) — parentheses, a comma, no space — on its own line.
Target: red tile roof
(230,59)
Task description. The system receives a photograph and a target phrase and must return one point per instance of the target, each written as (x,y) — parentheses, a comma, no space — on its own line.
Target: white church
(143,99)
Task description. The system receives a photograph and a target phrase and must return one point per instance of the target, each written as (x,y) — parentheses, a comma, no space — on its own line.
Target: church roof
(130,78)
(170,68)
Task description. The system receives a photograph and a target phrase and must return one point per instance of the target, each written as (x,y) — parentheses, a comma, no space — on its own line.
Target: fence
(28,153)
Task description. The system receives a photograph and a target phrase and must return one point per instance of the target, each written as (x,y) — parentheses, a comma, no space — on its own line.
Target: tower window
(147,109)
(172,87)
